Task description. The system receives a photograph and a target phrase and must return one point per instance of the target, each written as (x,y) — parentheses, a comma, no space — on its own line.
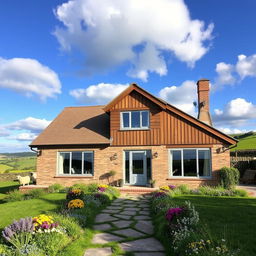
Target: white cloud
(230,74)
(232,130)
(12,147)
(32,124)
(181,96)
(237,112)
(110,33)
(25,136)
(29,77)
(101,93)
(224,72)
(246,66)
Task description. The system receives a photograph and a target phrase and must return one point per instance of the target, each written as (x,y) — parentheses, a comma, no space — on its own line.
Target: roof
(91,125)
(165,105)
(76,126)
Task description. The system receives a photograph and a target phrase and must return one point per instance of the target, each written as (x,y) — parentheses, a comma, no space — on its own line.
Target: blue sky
(55,54)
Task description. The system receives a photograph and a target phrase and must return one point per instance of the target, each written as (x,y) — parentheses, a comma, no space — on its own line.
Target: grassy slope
(16,210)
(18,164)
(246,143)
(6,186)
(232,218)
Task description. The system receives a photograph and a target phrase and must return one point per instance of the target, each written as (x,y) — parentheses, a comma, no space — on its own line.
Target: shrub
(241,192)
(55,188)
(14,196)
(51,243)
(229,177)
(35,193)
(30,250)
(184,189)
(74,193)
(69,224)
(90,188)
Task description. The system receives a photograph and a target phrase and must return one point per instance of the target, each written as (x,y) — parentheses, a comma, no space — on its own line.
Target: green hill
(247,141)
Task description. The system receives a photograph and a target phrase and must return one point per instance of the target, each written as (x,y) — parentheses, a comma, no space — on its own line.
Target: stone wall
(103,163)
(12,176)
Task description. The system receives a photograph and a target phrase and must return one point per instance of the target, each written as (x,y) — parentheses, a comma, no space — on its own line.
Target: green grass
(6,186)
(246,143)
(225,217)
(18,164)
(16,210)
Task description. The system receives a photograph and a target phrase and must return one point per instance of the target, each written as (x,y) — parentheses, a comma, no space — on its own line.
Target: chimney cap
(203,79)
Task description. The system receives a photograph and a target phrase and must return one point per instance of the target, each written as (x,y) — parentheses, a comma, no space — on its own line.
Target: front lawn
(16,210)
(229,218)
(6,186)
(233,218)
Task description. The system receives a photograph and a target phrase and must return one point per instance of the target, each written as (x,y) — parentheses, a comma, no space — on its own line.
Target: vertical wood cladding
(166,128)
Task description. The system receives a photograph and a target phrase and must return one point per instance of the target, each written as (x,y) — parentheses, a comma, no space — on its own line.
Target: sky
(56,53)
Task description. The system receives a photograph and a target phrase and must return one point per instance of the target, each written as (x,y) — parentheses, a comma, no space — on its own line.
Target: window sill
(74,176)
(135,129)
(189,178)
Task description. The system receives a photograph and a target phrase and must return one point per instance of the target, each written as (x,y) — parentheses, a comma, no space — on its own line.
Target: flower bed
(48,234)
(179,228)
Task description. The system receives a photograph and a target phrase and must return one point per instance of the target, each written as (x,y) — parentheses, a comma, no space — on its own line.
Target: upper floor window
(135,119)
(75,163)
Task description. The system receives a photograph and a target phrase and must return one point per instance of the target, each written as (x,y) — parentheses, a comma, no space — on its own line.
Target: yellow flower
(76,203)
(103,186)
(165,188)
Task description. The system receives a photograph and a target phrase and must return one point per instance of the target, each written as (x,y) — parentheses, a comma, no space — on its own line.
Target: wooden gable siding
(176,130)
(135,101)
(166,128)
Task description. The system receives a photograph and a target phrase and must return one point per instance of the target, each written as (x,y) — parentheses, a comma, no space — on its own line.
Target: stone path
(126,222)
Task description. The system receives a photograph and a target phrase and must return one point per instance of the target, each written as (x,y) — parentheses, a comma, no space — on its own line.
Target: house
(139,136)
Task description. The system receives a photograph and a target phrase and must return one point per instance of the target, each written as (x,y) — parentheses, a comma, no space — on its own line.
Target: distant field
(17,164)
(245,142)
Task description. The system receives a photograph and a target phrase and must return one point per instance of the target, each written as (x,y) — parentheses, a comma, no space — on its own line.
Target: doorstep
(136,190)
(26,188)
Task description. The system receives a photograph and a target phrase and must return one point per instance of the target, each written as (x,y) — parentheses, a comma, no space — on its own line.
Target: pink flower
(171,187)
(173,212)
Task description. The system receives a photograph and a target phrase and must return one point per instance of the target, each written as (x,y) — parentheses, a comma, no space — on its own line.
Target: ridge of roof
(93,106)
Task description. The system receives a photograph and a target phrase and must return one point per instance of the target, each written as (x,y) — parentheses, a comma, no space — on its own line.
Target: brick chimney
(203,88)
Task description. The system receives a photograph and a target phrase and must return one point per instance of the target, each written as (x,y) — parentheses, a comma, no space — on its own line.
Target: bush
(90,188)
(69,224)
(184,189)
(14,196)
(229,177)
(55,188)
(51,243)
(35,193)
(241,192)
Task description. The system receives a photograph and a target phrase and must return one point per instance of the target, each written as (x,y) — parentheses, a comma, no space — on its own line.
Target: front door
(138,168)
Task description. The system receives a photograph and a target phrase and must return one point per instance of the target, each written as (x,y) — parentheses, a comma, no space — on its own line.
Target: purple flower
(173,212)
(101,189)
(172,187)
(23,225)
(159,194)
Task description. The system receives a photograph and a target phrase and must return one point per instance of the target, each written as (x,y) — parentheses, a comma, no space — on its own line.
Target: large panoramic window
(75,163)
(135,120)
(190,162)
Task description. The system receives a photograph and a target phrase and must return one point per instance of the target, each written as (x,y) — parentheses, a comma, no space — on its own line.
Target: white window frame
(130,120)
(70,163)
(182,164)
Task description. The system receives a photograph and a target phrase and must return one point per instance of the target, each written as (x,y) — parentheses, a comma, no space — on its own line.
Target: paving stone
(144,212)
(120,216)
(103,238)
(102,227)
(143,245)
(127,212)
(104,217)
(145,226)
(149,254)
(122,223)
(144,205)
(131,208)
(141,217)
(114,207)
(106,251)
(110,211)
(129,232)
